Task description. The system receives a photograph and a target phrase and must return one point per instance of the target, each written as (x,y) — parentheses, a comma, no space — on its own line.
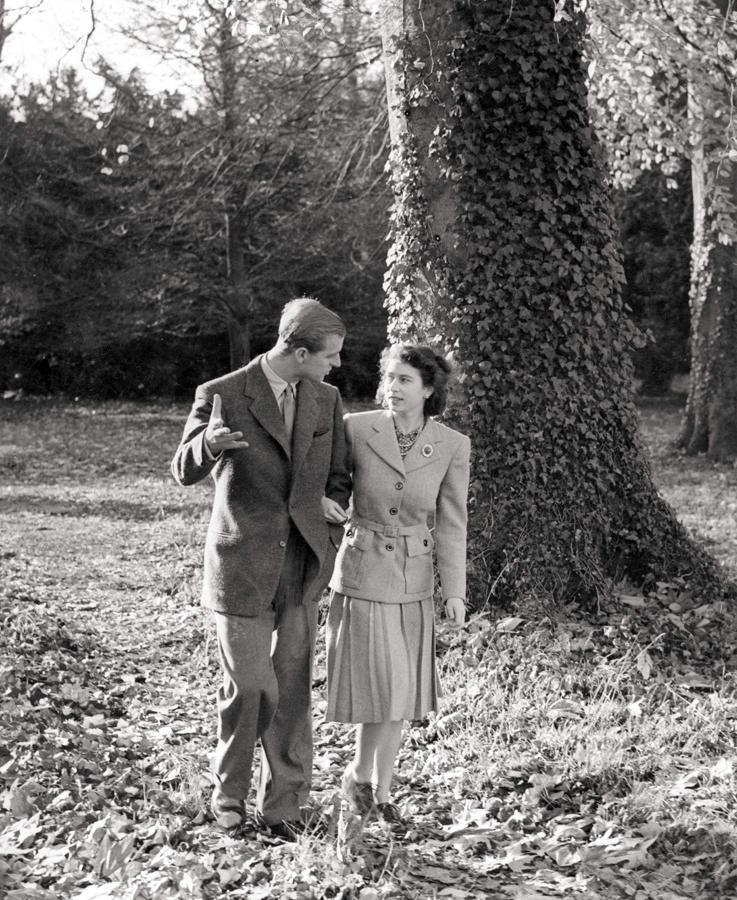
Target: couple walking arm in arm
(272,437)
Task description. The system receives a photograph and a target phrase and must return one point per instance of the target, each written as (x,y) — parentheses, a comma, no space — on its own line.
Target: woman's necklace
(405,441)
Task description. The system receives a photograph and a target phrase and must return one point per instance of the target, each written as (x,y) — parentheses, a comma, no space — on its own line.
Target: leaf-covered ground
(592,759)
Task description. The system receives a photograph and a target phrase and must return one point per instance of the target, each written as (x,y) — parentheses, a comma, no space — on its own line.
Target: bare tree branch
(93,25)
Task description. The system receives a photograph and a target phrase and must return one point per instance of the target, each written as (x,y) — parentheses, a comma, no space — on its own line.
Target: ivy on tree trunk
(504,252)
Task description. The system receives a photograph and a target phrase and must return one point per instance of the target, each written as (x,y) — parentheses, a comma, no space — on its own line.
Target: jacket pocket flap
(418,545)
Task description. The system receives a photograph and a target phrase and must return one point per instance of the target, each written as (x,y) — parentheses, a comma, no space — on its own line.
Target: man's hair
(305,322)
(434,369)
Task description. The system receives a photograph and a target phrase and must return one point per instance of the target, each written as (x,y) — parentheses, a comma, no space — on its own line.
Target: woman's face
(404,391)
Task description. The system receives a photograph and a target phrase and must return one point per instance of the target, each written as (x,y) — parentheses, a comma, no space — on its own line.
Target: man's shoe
(313,821)
(228,812)
(285,831)
(290,830)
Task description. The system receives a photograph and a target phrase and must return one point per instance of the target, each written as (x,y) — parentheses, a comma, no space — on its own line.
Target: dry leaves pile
(571,758)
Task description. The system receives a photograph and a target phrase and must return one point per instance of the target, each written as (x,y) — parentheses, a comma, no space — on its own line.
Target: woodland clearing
(574,756)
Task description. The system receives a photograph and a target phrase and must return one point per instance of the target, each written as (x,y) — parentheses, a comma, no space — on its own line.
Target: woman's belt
(386,530)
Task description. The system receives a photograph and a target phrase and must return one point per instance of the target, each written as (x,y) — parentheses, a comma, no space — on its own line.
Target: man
(271,435)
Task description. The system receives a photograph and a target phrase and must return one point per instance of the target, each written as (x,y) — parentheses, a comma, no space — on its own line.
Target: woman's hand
(333,511)
(455,610)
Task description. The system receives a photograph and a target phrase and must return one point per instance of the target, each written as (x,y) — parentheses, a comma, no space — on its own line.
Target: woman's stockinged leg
(377,744)
(385,756)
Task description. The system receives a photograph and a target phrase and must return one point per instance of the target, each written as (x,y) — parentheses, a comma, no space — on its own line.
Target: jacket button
(349,533)
(399,485)
(282,543)
(424,543)
(393,511)
(390,546)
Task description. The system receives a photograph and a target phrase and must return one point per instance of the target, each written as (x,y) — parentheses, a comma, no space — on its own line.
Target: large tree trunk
(710,423)
(504,253)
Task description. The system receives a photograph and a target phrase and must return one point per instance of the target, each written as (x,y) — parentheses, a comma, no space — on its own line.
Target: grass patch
(591,759)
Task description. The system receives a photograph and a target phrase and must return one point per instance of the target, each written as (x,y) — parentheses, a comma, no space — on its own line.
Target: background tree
(147,316)
(655,221)
(82,299)
(53,252)
(10,15)
(665,77)
(504,253)
(289,132)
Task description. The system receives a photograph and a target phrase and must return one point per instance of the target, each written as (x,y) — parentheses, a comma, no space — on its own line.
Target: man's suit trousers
(267,694)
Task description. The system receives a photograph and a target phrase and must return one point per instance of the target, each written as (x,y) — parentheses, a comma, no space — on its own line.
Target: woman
(410,486)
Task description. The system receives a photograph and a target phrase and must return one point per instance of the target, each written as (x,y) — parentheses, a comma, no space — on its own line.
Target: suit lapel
(305,420)
(384,443)
(263,404)
(426,449)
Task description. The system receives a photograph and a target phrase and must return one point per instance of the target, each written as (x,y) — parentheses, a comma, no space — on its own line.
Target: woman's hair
(434,370)
(305,322)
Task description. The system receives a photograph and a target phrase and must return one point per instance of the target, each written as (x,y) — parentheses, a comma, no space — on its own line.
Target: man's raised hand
(218,436)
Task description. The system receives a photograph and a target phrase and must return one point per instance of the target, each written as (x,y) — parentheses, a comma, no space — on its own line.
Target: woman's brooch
(427,450)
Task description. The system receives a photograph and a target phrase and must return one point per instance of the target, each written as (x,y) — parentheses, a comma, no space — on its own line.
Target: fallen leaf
(99,891)
(636,600)
(565,709)
(644,664)
(723,768)
(20,799)
(435,873)
(509,624)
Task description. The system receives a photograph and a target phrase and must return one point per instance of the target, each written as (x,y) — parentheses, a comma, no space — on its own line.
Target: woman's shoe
(359,794)
(389,814)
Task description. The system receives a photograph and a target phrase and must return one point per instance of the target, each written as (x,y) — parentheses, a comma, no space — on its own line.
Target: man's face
(316,366)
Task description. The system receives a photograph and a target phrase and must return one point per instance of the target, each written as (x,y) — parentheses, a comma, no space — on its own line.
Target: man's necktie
(288,405)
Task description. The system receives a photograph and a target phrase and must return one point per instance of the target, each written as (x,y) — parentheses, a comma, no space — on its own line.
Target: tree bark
(504,253)
(3,31)
(240,305)
(240,302)
(239,342)
(710,421)
(6,26)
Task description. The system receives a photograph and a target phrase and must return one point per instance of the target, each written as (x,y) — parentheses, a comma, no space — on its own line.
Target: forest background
(152,225)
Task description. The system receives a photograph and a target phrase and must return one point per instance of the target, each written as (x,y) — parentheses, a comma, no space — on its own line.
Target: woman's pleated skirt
(381,660)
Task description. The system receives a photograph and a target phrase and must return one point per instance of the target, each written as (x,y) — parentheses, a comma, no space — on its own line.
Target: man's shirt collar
(276,382)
